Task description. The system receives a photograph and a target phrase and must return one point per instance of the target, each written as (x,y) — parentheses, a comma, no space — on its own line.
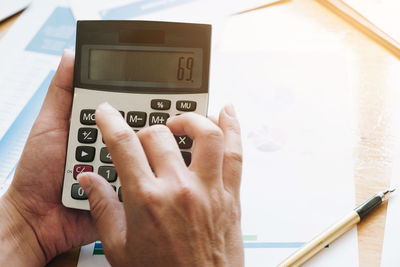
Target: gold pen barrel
(311,248)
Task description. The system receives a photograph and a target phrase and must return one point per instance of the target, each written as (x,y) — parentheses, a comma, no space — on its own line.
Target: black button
(119,194)
(77,192)
(122,114)
(186,105)
(184,142)
(158,118)
(87,135)
(108,172)
(160,104)
(105,156)
(187,157)
(85,153)
(87,117)
(136,118)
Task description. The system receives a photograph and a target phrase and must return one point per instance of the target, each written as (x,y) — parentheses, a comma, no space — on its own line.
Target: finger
(232,164)
(161,150)
(207,138)
(57,104)
(125,149)
(213,119)
(106,210)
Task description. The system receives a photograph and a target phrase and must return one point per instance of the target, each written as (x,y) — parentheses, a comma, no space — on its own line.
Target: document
(30,53)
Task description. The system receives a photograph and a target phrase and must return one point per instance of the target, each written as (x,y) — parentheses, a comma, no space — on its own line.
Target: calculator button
(119,194)
(108,172)
(105,156)
(82,168)
(187,157)
(87,116)
(136,118)
(87,135)
(85,153)
(77,192)
(122,114)
(184,142)
(158,118)
(186,105)
(160,104)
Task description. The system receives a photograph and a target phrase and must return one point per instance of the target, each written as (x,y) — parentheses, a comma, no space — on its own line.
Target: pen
(311,248)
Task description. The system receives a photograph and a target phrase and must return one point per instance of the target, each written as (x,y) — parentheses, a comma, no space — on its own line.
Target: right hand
(171,215)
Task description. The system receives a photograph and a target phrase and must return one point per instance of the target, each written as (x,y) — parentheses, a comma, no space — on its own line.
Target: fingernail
(230,110)
(171,119)
(105,107)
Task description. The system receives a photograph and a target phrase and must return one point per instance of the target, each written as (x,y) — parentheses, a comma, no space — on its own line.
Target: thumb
(105,208)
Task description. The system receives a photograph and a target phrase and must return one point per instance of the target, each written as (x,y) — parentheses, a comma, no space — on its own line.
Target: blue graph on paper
(13,141)
(56,34)
(139,8)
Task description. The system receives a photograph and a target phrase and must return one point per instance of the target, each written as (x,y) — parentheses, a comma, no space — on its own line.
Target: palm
(37,183)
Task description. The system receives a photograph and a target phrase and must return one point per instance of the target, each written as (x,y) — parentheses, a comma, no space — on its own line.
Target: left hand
(33,201)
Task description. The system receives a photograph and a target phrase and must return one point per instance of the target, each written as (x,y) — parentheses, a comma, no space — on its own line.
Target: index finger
(126,151)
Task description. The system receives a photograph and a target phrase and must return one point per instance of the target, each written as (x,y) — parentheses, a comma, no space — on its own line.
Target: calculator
(147,70)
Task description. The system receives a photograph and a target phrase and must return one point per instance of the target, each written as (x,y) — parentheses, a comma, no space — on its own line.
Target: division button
(158,118)
(187,157)
(77,192)
(87,116)
(109,173)
(85,153)
(184,142)
(82,168)
(185,105)
(105,156)
(136,118)
(87,135)
(160,104)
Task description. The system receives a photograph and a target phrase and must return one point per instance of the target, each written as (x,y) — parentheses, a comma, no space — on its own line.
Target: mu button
(85,153)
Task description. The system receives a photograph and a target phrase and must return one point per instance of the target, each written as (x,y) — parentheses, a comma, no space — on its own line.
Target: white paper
(298,145)
(30,53)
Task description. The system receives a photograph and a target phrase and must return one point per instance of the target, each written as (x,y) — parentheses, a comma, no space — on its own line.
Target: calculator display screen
(146,67)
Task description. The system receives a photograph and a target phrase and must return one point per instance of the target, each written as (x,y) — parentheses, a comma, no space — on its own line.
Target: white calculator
(149,71)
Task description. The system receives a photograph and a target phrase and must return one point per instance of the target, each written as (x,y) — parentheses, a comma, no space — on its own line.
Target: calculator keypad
(91,153)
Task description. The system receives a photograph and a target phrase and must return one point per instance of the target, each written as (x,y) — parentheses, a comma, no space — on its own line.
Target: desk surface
(374,89)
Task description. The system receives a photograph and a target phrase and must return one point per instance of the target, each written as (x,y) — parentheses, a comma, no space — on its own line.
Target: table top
(372,69)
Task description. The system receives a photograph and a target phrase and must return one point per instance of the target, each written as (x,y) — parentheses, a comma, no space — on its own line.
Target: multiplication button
(187,157)
(85,153)
(87,135)
(184,142)
(158,118)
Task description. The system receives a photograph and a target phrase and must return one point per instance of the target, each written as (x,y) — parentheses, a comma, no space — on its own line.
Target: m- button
(136,118)
(87,117)
(186,105)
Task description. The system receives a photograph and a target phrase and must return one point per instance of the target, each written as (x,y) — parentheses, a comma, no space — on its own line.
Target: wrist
(18,242)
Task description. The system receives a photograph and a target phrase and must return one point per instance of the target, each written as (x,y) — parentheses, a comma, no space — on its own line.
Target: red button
(82,168)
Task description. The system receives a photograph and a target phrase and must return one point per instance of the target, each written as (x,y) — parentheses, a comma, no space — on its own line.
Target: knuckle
(155,131)
(121,136)
(234,156)
(213,133)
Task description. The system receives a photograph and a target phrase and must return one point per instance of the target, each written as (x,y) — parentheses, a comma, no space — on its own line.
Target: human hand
(32,214)
(172,215)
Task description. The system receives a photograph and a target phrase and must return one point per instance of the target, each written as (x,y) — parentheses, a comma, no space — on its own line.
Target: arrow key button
(85,153)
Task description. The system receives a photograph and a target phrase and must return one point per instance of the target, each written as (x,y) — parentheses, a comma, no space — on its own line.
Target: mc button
(87,117)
